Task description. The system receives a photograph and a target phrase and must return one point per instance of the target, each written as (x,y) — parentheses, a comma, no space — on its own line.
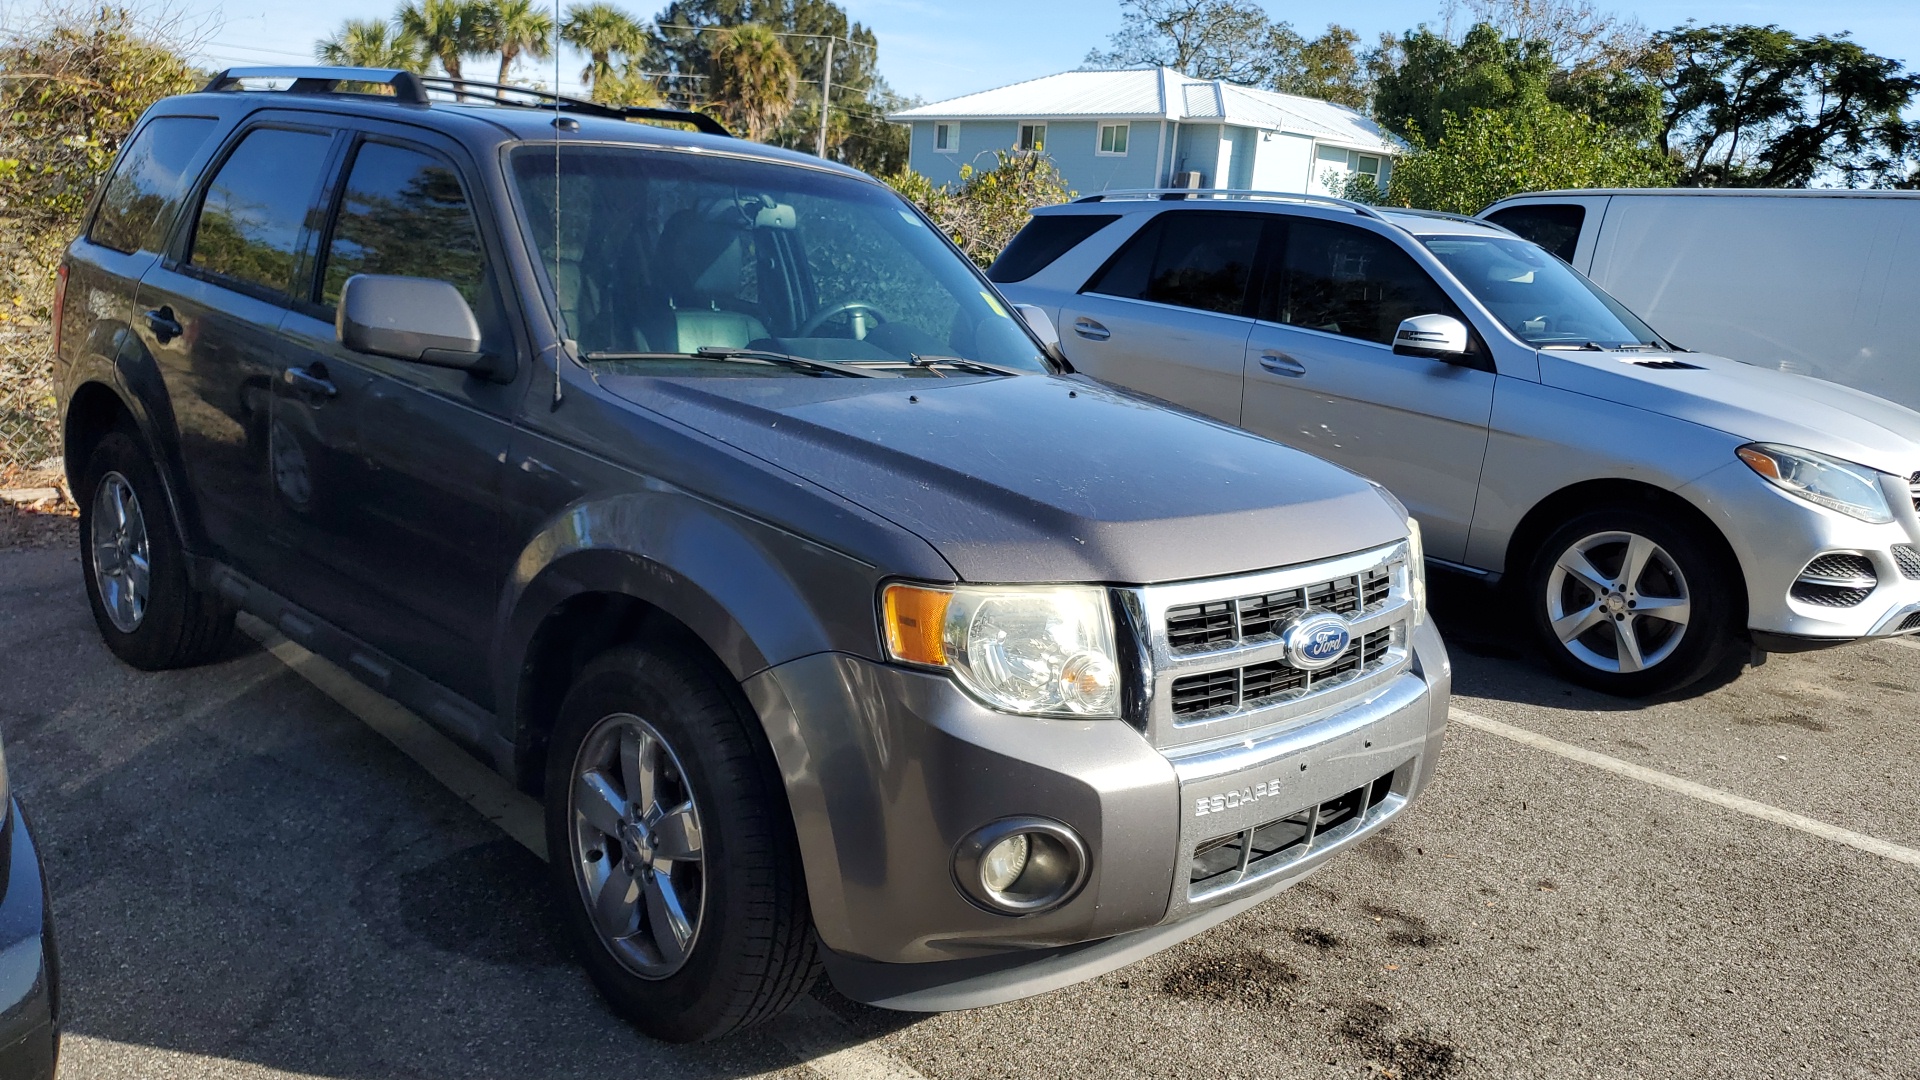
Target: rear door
(1322,374)
(1167,315)
(387,473)
(210,317)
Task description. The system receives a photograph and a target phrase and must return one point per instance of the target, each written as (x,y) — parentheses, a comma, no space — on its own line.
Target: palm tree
(599,29)
(512,28)
(446,29)
(370,43)
(755,79)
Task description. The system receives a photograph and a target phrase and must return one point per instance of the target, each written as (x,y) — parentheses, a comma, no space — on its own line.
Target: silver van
(1818,283)
(1656,509)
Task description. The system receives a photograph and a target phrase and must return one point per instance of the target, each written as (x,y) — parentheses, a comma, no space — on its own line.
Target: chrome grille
(1838,579)
(1913,489)
(1911,622)
(1216,664)
(1908,557)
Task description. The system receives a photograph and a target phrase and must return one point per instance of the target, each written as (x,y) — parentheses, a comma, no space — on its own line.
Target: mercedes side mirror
(1436,337)
(416,319)
(1042,326)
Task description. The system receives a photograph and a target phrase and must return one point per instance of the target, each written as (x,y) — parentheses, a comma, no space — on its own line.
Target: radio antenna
(558,130)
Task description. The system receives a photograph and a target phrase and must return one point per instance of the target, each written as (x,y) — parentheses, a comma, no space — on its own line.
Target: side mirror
(1437,337)
(408,318)
(1042,326)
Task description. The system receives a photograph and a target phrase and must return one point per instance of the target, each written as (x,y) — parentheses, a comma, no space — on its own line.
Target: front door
(387,473)
(1322,374)
(210,317)
(1167,315)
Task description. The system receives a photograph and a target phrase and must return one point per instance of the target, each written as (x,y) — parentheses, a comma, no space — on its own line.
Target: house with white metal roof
(1153,127)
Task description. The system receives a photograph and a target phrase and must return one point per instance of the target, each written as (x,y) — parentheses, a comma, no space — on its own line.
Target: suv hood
(1754,404)
(1040,478)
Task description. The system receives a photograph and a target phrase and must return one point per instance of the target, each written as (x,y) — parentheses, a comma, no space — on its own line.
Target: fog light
(1019,866)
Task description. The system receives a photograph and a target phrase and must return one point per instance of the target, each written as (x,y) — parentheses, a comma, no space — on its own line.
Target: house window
(1367,165)
(945,137)
(1113,139)
(1033,137)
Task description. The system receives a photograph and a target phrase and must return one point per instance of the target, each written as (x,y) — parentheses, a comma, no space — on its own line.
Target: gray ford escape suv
(706,491)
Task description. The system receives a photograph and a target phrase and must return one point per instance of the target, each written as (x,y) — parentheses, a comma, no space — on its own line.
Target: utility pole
(826,97)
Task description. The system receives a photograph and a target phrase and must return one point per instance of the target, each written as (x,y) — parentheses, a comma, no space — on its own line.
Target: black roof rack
(414,89)
(326,80)
(527,97)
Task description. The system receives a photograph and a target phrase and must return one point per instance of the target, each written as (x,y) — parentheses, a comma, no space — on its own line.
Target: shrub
(988,207)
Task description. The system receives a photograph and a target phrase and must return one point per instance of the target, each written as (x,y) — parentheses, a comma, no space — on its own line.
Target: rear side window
(148,175)
(250,220)
(1349,281)
(1044,240)
(1191,259)
(1554,226)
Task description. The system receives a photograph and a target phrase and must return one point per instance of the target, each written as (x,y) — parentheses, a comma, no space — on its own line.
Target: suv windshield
(1538,297)
(657,255)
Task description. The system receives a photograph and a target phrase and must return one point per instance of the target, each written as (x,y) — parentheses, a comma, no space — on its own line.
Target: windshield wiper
(715,352)
(929,362)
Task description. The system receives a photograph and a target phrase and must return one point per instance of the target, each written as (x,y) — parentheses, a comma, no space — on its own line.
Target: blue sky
(942,48)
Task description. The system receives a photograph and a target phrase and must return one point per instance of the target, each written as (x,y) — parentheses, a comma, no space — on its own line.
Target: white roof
(1161,94)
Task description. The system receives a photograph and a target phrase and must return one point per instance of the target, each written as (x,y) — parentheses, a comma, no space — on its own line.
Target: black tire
(753,951)
(178,626)
(1685,564)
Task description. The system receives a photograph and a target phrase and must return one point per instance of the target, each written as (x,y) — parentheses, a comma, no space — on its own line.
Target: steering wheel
(833,311)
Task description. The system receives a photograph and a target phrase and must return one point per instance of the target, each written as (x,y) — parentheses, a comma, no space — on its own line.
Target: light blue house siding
(1072,144)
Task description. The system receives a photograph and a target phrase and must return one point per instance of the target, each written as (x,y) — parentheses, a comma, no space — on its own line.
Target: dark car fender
(754,594)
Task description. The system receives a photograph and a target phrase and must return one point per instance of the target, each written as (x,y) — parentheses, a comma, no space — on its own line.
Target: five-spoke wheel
(122,557)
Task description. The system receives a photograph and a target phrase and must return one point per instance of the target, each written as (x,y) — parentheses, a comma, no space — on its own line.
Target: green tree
(988,207)
(602,31)
(445,29)
(754,79)
(1207,39)
(512,28)
(1328,67)
(1757,106)
(1535,146)
(370,43)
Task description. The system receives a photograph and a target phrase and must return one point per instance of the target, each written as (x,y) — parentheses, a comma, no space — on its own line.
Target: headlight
(1853,490)
(1416,571)
(1038,651)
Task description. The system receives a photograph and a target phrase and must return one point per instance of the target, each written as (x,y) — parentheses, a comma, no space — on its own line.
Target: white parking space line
(1692,790)
(819,1040)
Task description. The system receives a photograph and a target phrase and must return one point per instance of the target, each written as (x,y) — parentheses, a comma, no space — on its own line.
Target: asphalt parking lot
(252,879)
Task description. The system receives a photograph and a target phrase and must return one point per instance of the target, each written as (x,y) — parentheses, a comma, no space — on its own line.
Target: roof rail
(325,80)
(1232,193)
(413,89)
(529,98)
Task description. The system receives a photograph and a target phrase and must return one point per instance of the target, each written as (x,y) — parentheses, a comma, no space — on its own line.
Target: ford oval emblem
(1317,640)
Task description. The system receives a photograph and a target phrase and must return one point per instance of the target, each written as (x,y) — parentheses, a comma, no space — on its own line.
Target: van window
(1044,240)
(253,211)
(1192,259)
(148,175)
(1554,226)
(1349,281)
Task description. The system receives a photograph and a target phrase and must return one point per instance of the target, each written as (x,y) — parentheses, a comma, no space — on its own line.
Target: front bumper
(29,965)
(1775,536)
(888,769)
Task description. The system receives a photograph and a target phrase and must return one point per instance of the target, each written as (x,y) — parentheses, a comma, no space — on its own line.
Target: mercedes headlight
(1034,650)
(1841,486)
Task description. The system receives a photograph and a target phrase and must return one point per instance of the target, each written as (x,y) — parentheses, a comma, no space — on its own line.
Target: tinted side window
(1044,240)
(1349,281)
(1189,258)
(250,220)
(403,213)
(1554,226)
(147,176)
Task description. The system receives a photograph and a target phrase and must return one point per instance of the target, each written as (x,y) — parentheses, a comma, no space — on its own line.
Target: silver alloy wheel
(1618,602)
(637,851)
(122,560)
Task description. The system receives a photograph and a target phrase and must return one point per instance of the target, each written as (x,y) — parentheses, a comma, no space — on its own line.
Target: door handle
(1091,330)
(164,326)
(311,381)
(1281,364)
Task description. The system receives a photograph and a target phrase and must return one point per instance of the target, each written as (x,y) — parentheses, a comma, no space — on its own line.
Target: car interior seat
(700,263)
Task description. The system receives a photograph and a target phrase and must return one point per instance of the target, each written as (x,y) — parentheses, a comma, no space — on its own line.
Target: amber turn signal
(914,621)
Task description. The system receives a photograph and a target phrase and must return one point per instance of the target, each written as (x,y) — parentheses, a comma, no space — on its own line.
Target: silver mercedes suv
(1659,509)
